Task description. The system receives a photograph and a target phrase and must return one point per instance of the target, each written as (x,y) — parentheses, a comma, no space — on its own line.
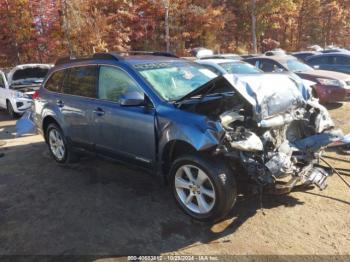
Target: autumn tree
(42,30)
(16,31)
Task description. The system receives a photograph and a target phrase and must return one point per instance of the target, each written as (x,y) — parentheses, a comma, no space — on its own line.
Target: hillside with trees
(42,30)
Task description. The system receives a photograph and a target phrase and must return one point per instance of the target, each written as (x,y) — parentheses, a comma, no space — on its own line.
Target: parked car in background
(248,55)
(302,55)
(204,53)
(316,48)
(334,50)
(229,56)
(276,51)
(204,133)
(329,86)
(339,62)
(240,69)
(228,66)
(17,88)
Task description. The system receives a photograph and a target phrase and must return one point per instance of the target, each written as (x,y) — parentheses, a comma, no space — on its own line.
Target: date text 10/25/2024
(173,258)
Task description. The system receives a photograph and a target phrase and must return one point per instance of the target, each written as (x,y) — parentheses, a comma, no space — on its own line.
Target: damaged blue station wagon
(205,134)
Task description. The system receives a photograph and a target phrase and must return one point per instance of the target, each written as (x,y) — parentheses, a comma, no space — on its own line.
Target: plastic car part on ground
(25,125)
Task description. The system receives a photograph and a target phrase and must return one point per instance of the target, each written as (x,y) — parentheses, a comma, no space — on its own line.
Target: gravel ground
(101,208)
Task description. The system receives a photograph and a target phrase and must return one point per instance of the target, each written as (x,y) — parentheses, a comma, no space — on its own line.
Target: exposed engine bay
(276,134)
(284,148)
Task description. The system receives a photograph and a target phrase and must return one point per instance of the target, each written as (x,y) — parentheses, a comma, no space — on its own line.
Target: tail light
(35,95)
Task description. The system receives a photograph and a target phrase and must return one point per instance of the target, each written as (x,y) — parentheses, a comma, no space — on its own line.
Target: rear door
(125,132)
(76,104)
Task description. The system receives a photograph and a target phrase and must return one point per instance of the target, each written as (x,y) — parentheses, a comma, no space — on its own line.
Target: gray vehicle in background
(229,66)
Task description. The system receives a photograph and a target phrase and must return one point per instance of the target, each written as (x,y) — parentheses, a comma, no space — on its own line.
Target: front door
(122,131)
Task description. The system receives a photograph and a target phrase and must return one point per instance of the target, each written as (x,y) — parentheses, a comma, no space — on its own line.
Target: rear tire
(203,187)
(10,110)
(58,145)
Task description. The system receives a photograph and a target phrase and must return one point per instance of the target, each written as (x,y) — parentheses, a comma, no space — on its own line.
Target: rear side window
(81,81)
(54,84)
(113,83)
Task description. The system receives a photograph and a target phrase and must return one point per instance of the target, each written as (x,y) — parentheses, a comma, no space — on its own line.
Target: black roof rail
(108,56)
(168,54)
(111,56)
(68,59)
(155,53)
(63,60)
(105,56)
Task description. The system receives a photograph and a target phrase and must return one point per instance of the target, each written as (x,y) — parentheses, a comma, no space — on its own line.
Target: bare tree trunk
(13,34)
(255,47)
(66,27)
(166,21)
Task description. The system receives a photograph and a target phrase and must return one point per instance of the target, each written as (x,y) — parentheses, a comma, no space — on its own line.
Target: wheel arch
(174,149)
(8,100)
(46,122)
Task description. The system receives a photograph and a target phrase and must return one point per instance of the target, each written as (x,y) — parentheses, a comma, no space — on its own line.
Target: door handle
(59,103)
(99,111)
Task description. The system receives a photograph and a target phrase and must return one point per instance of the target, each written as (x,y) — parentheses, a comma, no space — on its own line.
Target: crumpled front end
(281,148)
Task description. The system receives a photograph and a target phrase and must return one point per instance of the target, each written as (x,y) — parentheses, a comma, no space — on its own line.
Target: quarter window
(54,83)
(81,81)
(114,82)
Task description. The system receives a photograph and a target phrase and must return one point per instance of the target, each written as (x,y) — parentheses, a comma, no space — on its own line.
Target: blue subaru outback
(202,133)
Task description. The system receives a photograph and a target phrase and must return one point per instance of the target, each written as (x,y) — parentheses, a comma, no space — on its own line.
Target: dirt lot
(97,207)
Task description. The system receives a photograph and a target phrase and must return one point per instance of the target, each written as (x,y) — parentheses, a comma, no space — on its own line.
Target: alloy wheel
(194,189)
(57,146)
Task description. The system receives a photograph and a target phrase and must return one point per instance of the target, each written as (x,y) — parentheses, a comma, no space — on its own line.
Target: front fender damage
(282,149)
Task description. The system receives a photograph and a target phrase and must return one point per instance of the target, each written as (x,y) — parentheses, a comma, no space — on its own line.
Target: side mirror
(132,98)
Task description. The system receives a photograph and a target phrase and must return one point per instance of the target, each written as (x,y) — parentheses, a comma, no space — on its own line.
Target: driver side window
(114,82)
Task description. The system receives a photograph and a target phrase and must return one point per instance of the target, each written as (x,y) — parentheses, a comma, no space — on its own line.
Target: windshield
(240,68)
(297,66)
(174,80)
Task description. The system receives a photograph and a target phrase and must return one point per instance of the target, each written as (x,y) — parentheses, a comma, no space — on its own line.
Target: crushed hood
(270,94)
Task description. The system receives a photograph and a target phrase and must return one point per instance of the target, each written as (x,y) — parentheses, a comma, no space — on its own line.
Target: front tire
(204,188)
(58,146)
